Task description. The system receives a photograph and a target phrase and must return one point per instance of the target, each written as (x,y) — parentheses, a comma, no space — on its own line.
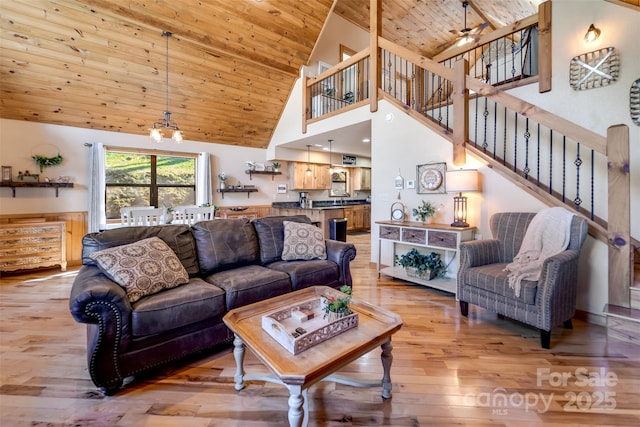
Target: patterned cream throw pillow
(302,242)
(142,268)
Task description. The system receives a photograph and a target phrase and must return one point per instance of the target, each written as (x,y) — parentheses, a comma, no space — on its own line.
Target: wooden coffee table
(318,363)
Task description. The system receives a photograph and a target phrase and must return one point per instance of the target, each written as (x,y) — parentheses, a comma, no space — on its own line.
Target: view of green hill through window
(140,179)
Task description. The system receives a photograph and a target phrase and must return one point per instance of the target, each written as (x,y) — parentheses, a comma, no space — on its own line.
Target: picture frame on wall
(7,173)
(431,178)
(323,66)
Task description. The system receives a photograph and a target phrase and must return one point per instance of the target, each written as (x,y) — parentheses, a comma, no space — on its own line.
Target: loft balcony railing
(343,86)
(505,56)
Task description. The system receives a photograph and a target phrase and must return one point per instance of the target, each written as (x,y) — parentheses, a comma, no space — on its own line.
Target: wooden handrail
(586,137)
(417,59)
(338,67)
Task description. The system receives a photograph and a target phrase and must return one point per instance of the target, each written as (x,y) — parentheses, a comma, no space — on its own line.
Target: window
(148,178)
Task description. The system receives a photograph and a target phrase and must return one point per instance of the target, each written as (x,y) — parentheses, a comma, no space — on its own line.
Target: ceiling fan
(466,34)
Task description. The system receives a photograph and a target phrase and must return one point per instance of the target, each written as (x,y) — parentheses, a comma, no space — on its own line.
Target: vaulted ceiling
(100,64)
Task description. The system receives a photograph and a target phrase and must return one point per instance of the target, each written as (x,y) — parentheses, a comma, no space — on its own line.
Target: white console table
(438,237)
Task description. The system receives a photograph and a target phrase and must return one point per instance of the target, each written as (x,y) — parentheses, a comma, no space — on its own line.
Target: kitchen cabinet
(318,180)
(361,179)
(358,217)
(249,212)
(319,216)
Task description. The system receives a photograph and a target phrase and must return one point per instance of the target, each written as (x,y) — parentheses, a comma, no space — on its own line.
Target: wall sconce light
(592,34)
(457,182)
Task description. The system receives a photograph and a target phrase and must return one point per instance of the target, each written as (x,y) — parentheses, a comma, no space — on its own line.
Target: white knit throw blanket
(548,234)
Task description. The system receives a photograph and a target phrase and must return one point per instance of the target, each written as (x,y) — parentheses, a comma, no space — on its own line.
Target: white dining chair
(150,216)
(178,214)
(126,216)
(197,214)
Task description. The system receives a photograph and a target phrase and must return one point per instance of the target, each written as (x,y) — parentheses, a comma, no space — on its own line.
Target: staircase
(509,135)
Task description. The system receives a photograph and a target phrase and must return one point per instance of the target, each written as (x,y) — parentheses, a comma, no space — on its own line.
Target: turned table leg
(238,355)
(296,402)
(387,358)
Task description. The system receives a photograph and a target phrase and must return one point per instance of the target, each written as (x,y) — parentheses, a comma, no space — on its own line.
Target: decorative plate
(431,178)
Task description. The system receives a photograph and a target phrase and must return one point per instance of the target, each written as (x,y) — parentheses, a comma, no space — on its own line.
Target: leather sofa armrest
(91,287)
(342,253)
(475,253)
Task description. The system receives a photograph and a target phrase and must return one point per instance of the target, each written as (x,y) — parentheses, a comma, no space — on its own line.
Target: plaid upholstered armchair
(545,303)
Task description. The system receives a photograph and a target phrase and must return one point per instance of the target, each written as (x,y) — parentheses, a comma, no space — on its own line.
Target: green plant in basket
(339,304)
(422,262)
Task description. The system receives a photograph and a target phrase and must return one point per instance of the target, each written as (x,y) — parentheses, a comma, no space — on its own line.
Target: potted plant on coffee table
(420,265)
(336,307)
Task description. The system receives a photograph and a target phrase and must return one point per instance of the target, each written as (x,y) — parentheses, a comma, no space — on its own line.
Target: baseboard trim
(593,318)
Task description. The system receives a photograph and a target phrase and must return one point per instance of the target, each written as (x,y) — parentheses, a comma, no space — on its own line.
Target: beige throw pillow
(142,268)
(302,242)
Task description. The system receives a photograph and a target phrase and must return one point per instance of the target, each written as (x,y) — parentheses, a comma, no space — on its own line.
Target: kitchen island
(321,213)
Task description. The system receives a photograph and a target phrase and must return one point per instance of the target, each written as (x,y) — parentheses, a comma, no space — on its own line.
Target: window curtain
(204,185)
(97,209)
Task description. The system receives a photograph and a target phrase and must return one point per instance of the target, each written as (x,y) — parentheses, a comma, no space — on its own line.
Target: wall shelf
(22,184)
(244,190)
(254,172)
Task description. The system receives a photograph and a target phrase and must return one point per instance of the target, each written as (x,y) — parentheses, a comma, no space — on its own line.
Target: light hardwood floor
(447,370)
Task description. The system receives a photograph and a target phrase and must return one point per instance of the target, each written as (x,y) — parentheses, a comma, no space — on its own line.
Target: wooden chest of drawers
(32,245)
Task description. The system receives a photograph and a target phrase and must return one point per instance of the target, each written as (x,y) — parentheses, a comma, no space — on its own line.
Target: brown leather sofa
(230,262)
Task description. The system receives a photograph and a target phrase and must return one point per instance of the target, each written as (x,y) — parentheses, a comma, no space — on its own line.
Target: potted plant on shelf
(337,307)
(223,178)
(422,266)
(425,211)
(276,166)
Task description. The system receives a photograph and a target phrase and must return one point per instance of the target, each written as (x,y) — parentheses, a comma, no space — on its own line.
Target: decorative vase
(223,186)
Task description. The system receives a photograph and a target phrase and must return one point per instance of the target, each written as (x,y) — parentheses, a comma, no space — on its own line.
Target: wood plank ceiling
(100,64)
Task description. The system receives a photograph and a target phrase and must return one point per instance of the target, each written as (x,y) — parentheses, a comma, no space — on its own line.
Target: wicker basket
(420,274)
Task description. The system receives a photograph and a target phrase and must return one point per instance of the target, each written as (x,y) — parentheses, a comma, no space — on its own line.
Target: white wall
(337,31)
(20,140)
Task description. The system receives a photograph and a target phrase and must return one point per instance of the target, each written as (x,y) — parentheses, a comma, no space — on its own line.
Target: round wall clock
(431,178)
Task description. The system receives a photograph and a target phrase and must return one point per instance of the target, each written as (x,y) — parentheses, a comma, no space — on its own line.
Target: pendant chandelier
(155,132)
(309,171)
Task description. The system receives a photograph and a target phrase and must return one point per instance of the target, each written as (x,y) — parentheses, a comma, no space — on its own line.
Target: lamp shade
(462,180)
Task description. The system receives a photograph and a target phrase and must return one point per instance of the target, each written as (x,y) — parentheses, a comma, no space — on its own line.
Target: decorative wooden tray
(301,326)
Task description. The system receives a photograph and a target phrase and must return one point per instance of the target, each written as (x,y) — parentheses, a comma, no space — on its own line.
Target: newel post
(306,97)
(375,30)
(460,112)
(619,218)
